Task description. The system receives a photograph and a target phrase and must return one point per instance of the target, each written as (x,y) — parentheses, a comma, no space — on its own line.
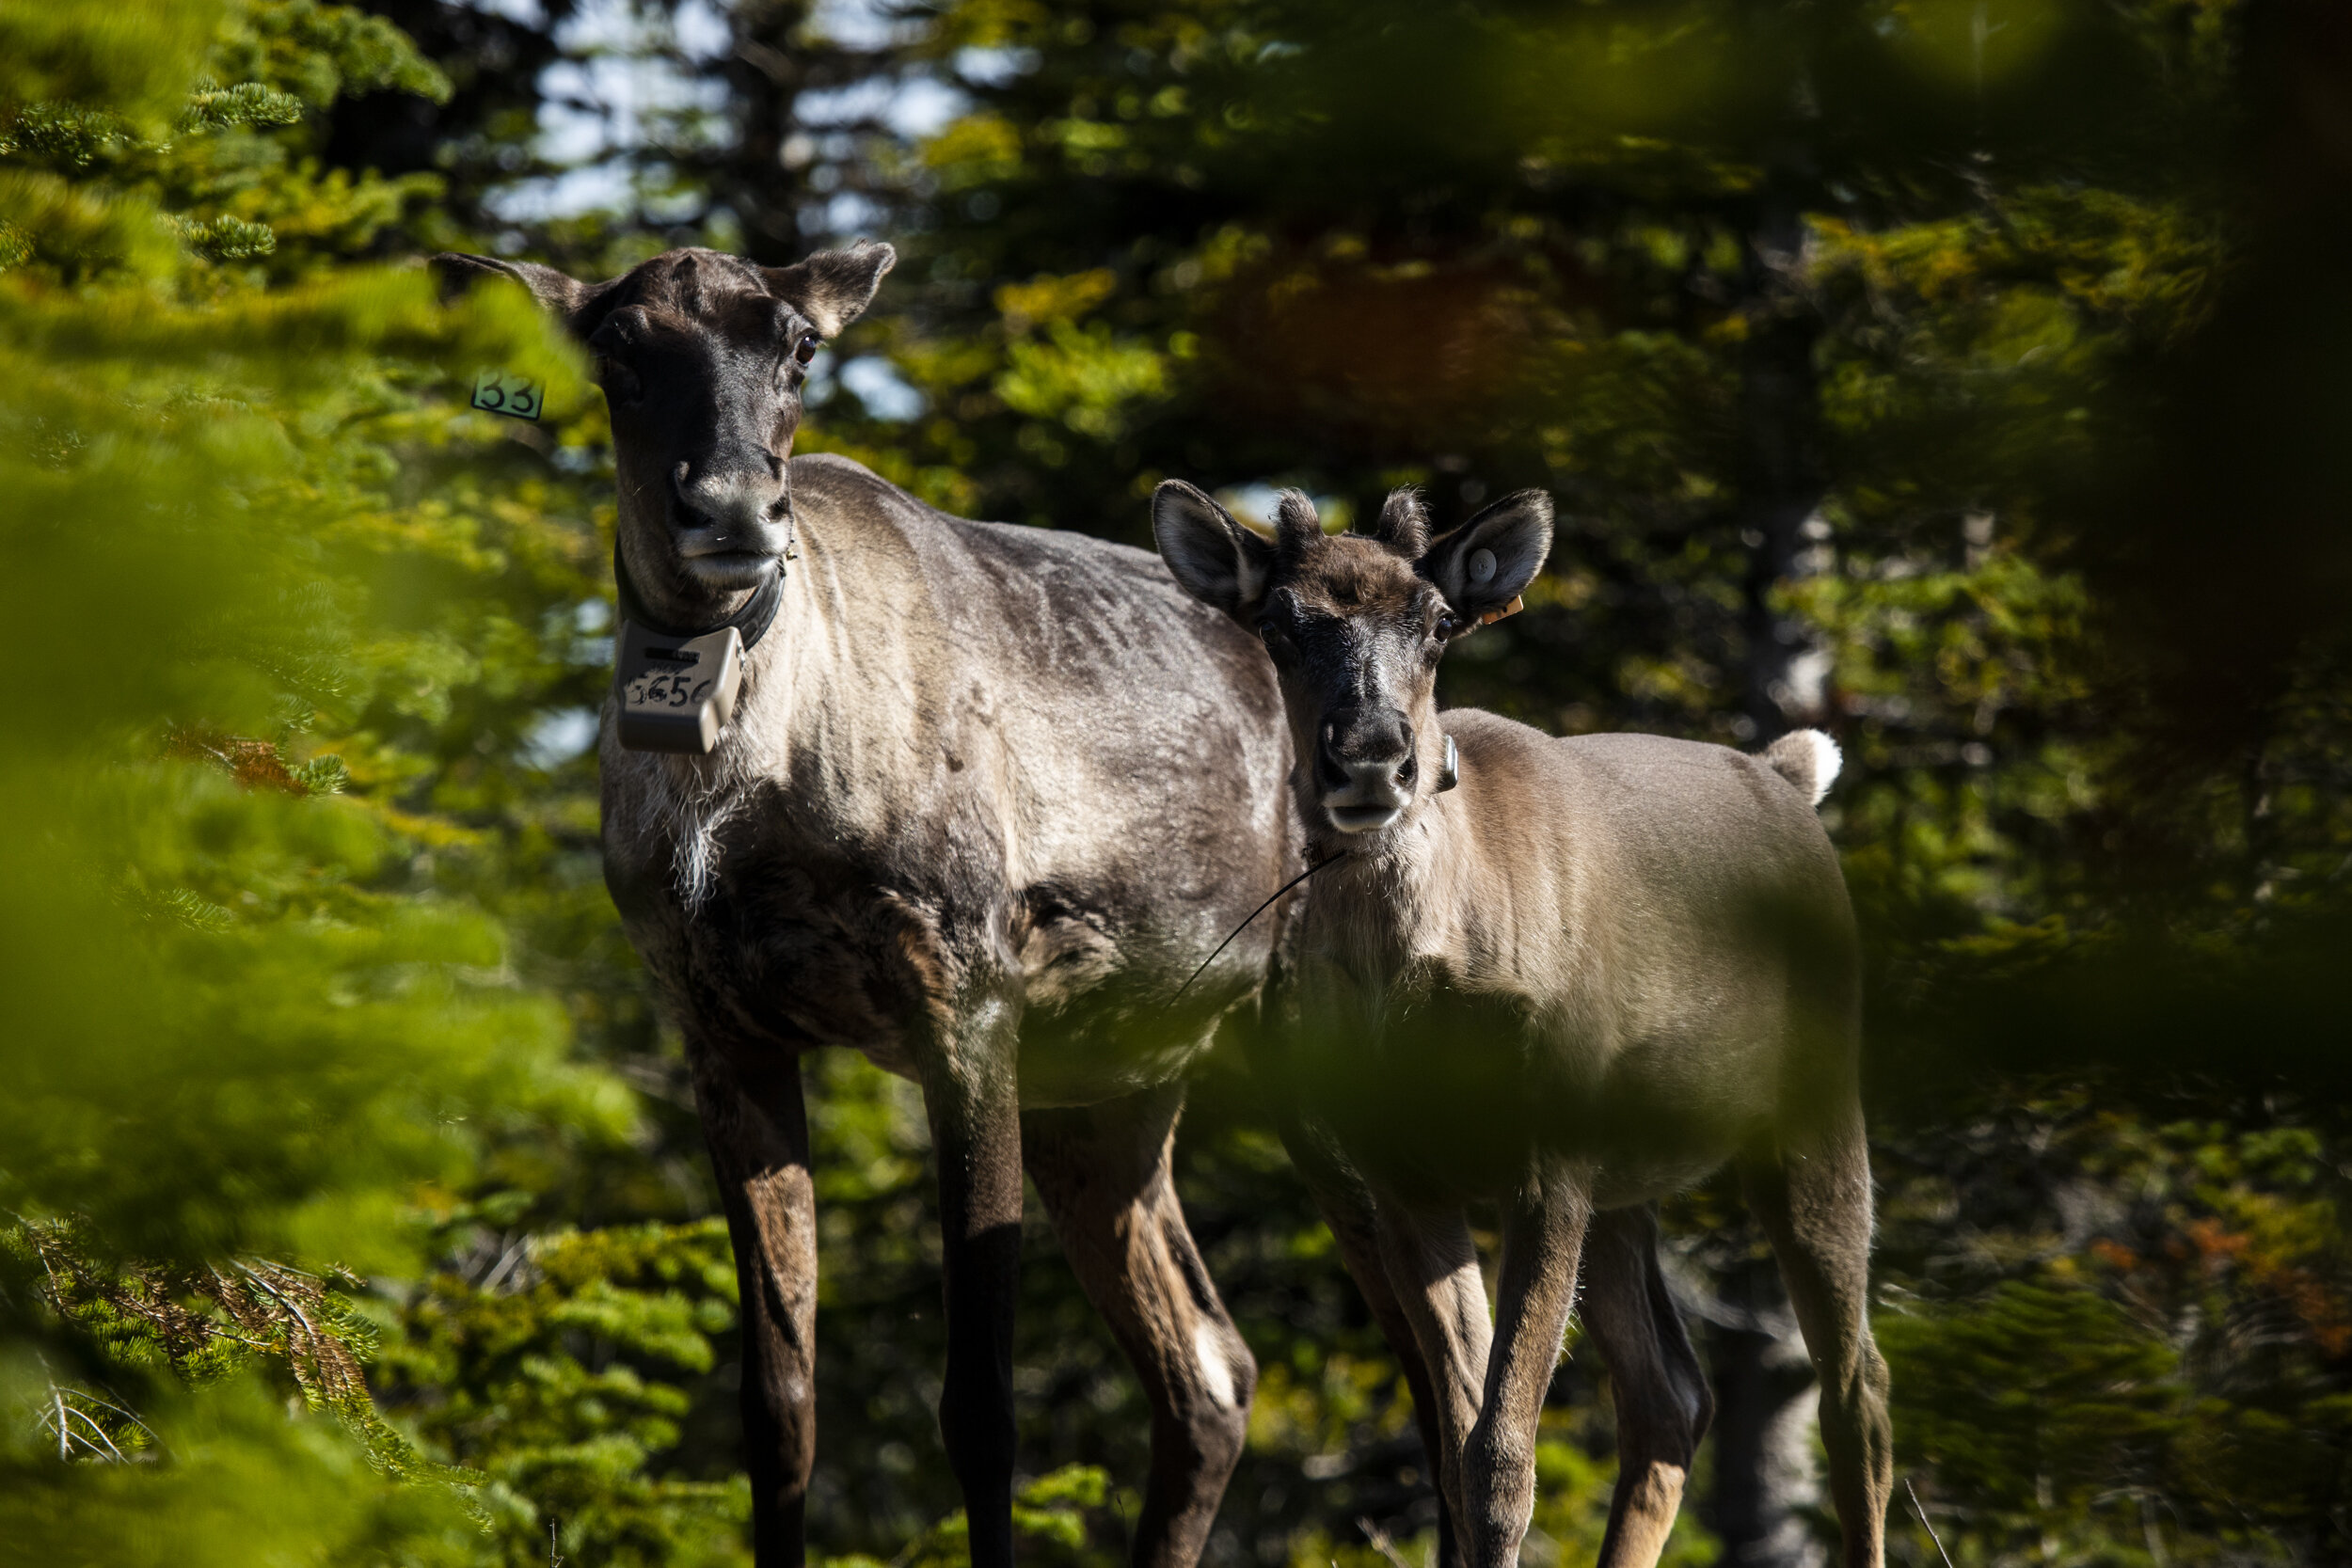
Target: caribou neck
(1400,897)
(826,698)
(816,716)
(749,611)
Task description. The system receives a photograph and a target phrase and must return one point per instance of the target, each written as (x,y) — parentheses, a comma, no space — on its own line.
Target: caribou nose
(1367,748)
(731,495)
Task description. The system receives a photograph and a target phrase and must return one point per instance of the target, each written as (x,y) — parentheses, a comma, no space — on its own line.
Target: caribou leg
(1103,1172)
(971,1094)
(1663,1404)
(1345,1201)
(1432,1266)
(756,1126)
(1347,1207)
(1814,1204)
(1542,1238)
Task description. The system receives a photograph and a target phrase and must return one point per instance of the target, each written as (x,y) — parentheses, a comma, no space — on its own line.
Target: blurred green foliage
(264,1026)
(1958,375)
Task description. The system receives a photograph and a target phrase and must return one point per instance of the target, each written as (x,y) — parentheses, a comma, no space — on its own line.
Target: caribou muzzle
(733,519)
(1365,766)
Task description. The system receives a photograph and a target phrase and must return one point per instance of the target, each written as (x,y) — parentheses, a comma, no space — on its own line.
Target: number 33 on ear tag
(504,392)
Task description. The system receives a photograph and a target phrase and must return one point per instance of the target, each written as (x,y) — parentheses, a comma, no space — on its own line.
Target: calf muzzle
(1366,766)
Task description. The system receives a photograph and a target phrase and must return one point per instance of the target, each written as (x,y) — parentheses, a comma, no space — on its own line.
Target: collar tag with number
(676,694)
(517,397)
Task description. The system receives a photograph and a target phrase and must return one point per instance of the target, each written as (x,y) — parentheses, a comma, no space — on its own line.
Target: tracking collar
(752,622)
(677,689)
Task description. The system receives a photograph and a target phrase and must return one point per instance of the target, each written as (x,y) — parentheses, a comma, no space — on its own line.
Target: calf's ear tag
(1512,609)
(676,694)
(517,397)
(1449,773)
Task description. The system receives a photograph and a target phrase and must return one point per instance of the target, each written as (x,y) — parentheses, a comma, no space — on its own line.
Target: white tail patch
(1807,758)
(1827,760)
(1216,1374)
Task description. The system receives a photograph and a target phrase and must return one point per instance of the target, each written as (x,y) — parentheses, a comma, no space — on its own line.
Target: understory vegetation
(1963,376)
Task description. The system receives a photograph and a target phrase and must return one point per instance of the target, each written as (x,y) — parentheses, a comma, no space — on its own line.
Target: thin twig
(40,1250)
(1923,1519)
(58,1393)
(1380,1541)
(1245,925)
(96,1431)
(66,1415)
(279,1296)
(127,1414)
(506,1262)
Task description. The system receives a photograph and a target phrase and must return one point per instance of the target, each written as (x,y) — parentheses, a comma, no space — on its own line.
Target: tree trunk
(779,172)
(1765,1478)
(1780,476)
(1764,1475)
(766,73)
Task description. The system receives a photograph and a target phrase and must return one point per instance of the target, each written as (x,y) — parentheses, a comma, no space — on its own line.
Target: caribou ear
(1212,556)
(1484,565)
(578,302)
(833,288)
(555,289)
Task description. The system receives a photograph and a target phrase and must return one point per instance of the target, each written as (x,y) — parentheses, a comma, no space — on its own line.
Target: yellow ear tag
(1512,609)
(517,397)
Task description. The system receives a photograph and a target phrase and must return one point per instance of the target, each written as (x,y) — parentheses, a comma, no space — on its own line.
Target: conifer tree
(1953,375)
(281,1026)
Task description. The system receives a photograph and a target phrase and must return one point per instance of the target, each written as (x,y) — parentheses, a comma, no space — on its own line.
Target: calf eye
(1447,626)
(806,349)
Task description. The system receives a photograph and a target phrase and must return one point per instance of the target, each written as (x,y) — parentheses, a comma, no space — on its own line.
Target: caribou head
(702,356)
(1355,624)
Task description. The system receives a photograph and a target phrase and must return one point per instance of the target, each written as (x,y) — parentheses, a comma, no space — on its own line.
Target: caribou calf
(1568,975)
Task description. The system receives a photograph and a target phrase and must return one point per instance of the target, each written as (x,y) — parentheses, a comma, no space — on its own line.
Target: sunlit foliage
(265,1002)
(1961,376)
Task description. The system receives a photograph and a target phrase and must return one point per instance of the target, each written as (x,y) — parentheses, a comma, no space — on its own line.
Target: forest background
(1965,377)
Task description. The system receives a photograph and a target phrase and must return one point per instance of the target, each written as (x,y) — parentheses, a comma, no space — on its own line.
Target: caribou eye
(619,382)
(805,349)
(1447,626)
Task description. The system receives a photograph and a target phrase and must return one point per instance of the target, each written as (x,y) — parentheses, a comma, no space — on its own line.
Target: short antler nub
(1296,525)
(1403,523)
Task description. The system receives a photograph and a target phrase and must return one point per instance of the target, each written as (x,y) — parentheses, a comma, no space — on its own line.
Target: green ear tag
(504,392)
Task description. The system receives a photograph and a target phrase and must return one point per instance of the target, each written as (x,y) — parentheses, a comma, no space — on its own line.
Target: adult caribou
(988,795)
(1568,976)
